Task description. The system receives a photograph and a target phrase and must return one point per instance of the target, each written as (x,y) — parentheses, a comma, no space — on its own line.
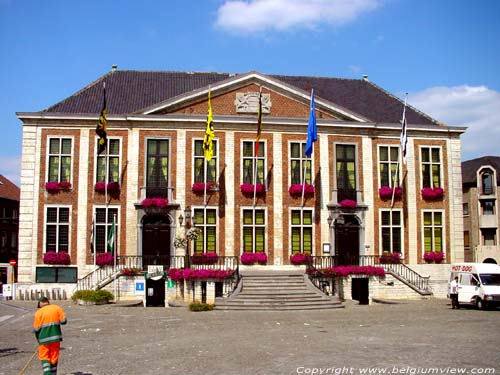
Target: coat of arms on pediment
(248,102)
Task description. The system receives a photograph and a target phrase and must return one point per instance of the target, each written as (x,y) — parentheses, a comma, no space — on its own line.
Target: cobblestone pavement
(413,337)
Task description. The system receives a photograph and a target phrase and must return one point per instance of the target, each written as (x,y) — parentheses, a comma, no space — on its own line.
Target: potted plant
(193,234)
(52,257)
(180,242)
(92,297)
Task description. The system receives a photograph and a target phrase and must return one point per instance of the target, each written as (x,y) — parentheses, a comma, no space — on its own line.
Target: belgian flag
(101,126)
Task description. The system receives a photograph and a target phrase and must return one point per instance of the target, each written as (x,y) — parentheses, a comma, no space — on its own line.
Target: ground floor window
(205,220)
(254,229)
(302,231)
(103,225)
(56,274)
(433,231)
(391,231)
(57,227)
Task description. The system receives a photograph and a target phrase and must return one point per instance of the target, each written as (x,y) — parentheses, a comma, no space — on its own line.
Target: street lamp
(187,215)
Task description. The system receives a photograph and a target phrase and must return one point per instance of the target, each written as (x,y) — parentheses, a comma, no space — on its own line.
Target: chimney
(114,67)
(365,77)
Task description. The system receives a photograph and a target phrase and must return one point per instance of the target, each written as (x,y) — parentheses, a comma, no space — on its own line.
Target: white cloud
(281,15)
(11,168)
(471,106)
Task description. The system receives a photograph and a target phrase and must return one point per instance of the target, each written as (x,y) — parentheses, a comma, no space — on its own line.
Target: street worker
(47,324)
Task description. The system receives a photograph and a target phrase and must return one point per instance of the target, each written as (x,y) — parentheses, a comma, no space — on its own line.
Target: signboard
(155,272)
(7,290)
(139,288)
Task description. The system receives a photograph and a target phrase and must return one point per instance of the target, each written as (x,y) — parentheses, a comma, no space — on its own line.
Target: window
(13,240)
(56,274)
(489,236)
(59,168)
(433,231)
(249,162)
(346,172)
(3,240)
(299,164)
(254,227)
(431,167)
(157,168)
(465,207)
(113,156)
(57,223)
(391,230)
(487,182)
(488,207)
(302,231)
(199,163)
(103,224)
(206,222)
(388,166)
(466,239)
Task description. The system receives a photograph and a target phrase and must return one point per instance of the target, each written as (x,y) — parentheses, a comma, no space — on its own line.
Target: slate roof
(470,168)
(8,190)
(130,91)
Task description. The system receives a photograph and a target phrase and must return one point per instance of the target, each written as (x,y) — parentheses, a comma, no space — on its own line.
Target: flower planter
(105,259)
(206,258)
(53,187)
(200,187)
(390,258)
(300,259)
(348,203)
(433,257)
(252,258)
(249,189)
(432,194)
(51,257)
(111,188)
(297,189)
(154,203)
(386,193)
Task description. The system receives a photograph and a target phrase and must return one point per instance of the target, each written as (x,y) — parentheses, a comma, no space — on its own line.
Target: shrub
(97,296)
(199,306)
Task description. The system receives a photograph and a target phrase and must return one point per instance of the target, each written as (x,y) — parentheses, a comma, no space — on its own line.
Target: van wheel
(480,304)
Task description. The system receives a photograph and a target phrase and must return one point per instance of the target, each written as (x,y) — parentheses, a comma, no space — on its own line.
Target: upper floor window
(253,164)
(345,171)
(157,167)
(302,231)
(433,231)
(103,223)
(206,222)
(488,207)
(465,207)
(254,229)
(431,167)
(59,169)
(489,236)
(487,182)
(199,163)
(57,229)
(112,154)
(466,239)
(388,166)
(300,165)
(391,229)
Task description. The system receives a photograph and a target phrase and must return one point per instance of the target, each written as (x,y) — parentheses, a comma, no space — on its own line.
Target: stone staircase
(276,290)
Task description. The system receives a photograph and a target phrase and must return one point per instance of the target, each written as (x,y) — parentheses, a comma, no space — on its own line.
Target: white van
(479,283)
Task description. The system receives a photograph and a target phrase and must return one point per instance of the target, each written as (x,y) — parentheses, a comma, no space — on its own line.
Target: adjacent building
(481,191)
(249,196)
(9,225)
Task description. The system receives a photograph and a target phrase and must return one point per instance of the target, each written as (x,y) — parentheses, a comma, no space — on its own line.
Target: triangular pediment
(238,96)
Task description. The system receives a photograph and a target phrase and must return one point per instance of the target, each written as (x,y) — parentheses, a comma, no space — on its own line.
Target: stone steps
(268,290)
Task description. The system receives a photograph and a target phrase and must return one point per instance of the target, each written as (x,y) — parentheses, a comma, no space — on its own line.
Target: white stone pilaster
(132,189)
(368,168)
(411,201)
(456,245)
(82,169)
(325,190)
(229,182)
(277,219)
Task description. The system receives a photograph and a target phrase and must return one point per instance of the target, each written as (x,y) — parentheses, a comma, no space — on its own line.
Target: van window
(490,278)
(465,279)
(474,280)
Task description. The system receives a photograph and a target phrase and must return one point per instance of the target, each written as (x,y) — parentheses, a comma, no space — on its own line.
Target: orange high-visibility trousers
(49,355)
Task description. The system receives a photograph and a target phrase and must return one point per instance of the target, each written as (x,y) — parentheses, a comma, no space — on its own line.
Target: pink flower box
(344,271)
(300,258)
(154,202)
(432,194)
(111,187)
(252,258)
(348,203)
(104,259)
(385,192)
(199,187)
(204,258)
(248,189)
(52,187)
(295,190)
(51,257)
(178,274)
(65,185)
(433,256)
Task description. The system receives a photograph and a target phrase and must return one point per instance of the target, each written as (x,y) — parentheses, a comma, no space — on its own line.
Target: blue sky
(444,53)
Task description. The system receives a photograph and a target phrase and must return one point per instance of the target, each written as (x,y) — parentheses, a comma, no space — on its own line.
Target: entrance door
(347,241)
(155,292)
(156,241)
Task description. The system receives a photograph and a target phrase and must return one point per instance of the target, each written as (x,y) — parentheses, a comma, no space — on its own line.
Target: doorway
(347,240)
(156,241)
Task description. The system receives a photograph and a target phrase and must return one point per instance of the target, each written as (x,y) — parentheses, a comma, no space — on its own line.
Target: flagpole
(115,251)
(304,183)
(94,248)
(256,147)
(401,153)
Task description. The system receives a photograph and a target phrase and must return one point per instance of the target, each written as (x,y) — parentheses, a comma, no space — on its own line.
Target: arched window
(487,182)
